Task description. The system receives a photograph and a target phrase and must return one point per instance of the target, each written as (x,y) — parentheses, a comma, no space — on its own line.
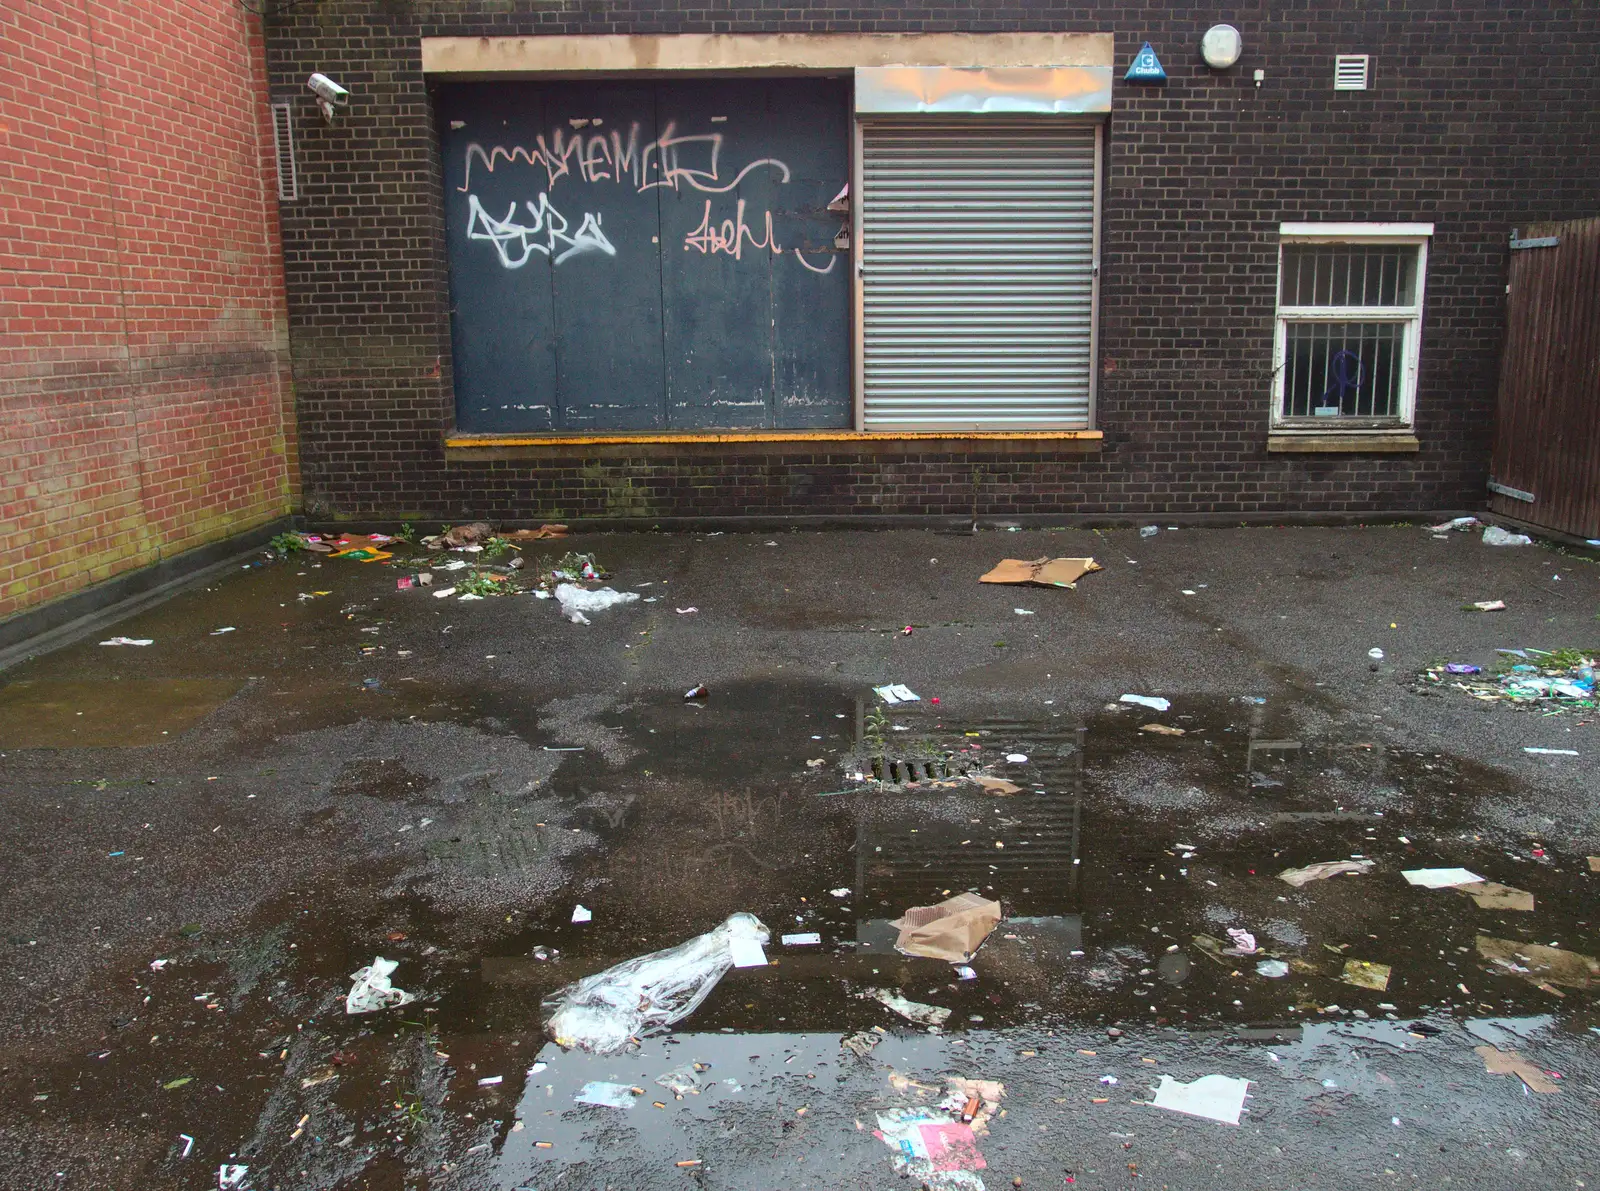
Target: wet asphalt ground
(204,837)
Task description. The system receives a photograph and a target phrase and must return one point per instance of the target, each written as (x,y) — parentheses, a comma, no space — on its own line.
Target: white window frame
(1388,235)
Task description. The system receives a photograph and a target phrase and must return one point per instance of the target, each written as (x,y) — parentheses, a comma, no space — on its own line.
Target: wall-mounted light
(1221,46)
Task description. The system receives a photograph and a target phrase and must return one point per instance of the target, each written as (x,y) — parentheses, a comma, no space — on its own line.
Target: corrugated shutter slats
(978,274)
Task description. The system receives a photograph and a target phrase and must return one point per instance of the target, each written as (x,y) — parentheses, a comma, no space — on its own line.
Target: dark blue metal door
(641,256)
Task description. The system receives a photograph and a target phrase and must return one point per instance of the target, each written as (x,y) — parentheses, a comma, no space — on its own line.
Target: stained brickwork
(144,383)
(1480,117)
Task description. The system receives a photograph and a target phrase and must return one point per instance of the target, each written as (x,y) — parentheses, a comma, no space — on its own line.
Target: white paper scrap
(1535,751)
(805,939)
(580,914)
(1214,1097)
(605,1095)
(1153,702)
(444,593)
(129,641)
(896,693)
(747,951)
(1440,878)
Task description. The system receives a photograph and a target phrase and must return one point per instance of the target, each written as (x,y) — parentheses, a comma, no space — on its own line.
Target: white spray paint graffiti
(548,224)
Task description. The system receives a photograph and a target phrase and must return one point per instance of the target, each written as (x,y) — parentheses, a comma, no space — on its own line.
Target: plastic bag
(644,996)
(1493,535)
(372,990)
(575,601)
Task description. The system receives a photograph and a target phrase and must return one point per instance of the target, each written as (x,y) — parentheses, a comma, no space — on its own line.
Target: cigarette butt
(1090,1053)
(301,1123)
(970,1108)
(690,1162)
(659,1104)
(543,1145)
(1101,1100)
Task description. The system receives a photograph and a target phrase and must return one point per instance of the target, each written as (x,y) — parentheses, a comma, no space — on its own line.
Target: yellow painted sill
(844,437)
(466,441)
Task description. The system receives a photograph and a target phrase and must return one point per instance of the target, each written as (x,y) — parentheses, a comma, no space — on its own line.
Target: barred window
(1349,325)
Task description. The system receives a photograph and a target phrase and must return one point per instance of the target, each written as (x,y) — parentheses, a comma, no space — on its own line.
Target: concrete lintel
(1350,443)
(489,57)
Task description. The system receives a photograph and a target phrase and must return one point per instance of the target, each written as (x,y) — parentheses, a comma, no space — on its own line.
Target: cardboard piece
(1594,864)
(1491,895)
(1046,572)
(952,931)
(1163,730)
(1540,965)
(931,1148)
(997,785)
(1509,1062)
(533,535)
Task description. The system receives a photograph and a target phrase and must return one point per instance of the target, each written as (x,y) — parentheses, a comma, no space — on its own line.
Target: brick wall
(145,396)
(1481,117)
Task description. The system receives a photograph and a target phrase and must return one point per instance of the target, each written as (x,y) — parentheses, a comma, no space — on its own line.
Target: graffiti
(730,236)
(832,260)
(548,225)
(599,157)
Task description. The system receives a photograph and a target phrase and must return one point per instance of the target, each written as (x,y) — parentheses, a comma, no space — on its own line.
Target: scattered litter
(861,1043)
(1541,966)
(455,564)
(1364,974)
(1456,523)
(1323,870)
(171,1084)
(952,931)
(1439,878)
(929,1147)
(1272,969)
(1046,572)
(1509,1062)
(686,611)
(928,1015)
(1162,730)
(188,1145)
(1149,531)
(815,763)
(1538,752)
(977,1100)
(231,1175)
(644,996)
(746,951)
(1214,1097)
(1017,758)
(965,973)
(444,593)
(803,939)
(682,1081)
(473,534)
(576,601)
(1375,654)
(533,535)
(1462,668)
(996,785)
(1488,605)
(1023,611)
(1560,681)
(1594,867)
(491,1081)
(581,913)
(1491,895)
(227,628)
(1243,941)
(842,891)
(1153,702)
(605,1095)
(896,693)
(372,990)
(1493,535)
(697,691)
(129,641)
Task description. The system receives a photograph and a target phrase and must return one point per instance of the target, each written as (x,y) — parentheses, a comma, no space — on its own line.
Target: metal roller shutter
(978,263)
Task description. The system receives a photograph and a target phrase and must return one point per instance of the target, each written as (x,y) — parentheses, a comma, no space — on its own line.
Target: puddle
(105,713)
(478,818)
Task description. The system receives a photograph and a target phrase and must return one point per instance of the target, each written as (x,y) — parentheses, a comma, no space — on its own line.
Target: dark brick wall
(1482,116)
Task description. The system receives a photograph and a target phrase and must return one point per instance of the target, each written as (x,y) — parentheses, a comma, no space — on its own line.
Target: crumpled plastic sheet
(372,990)
(575,600)
(644,996)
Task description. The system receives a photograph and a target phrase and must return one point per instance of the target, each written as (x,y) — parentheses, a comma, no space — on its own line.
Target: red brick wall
(146,405)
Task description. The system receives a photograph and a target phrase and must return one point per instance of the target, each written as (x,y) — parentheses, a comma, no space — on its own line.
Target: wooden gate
(1546,466)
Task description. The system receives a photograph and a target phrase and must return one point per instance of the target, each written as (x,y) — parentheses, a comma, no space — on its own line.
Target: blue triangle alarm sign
(1146,67)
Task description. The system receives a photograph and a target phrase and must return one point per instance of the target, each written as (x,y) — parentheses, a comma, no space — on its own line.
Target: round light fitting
(1221,46)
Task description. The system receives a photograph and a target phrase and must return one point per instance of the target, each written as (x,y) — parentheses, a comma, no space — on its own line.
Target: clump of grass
(286,544)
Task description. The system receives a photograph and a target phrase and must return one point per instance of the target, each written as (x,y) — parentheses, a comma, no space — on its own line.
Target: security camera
(328,90)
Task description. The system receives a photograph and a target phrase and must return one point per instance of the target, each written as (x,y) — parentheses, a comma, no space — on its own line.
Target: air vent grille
(283,144)
(1352,72)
